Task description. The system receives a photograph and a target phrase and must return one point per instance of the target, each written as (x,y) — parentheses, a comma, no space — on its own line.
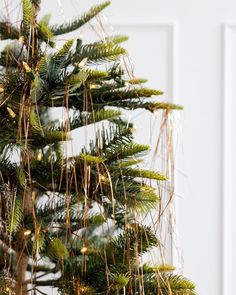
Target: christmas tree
(72,223)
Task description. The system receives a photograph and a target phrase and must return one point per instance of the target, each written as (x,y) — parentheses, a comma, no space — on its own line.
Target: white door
(188,49)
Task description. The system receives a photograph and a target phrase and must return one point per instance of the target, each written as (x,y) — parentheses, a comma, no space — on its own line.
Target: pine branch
(7,168)
(116,39)
(136,81)
(144,174)
(85,119)
(113,153)
(79,22)
(15,216)
(139,198)
(27,14)
(8,31)
(45,34)
(124,96)
(166,283)
(64,51)
(141,239)
(96,75)
(152,107)
(97,53)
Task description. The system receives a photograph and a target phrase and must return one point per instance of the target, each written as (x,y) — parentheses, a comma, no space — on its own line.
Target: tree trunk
(22,262)
(22,258)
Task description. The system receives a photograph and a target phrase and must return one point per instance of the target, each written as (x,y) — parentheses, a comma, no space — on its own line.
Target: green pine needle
(177,284)
(79,22)
(76,80)
(130,162)
(34,121)
(145,174)
(27,14)
(57,250)
(96,53)
(21,178)
(125,151)
(15,216)
(8,31)
(162,106)
(65,49)
(116,39)
(96,75)
(45,33)
(85,119)
(136,81)
(119,280)
(91,159)
(143,200)
(125,95)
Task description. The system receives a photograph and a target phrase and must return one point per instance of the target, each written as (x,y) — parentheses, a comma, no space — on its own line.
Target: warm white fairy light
(129,226)
(61,10)
(83,62)
(27,232)
(40,155)
(94,86)
(84,250)
(26,67)
(11,112)
(103,178)
(21,40)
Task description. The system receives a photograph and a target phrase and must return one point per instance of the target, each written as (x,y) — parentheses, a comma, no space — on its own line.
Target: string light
(11,113)
(84,250)
(102,178)
(26,67)
(21,40)
(94,86)
(27,232)
(40,155)
(129,226)
(61,10)
(83,62)
(28,70)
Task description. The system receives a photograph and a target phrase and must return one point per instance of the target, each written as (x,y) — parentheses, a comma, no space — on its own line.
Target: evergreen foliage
(74,216)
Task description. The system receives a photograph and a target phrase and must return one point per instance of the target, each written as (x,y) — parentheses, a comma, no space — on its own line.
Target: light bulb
(102,177)
(27,67)
(84,250)
(83,62)
(21,40)
(27,232)
(40,155)
(11,113)
(94,86)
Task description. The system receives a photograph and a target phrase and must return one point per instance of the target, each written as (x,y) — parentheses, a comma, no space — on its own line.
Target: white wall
(196,67)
